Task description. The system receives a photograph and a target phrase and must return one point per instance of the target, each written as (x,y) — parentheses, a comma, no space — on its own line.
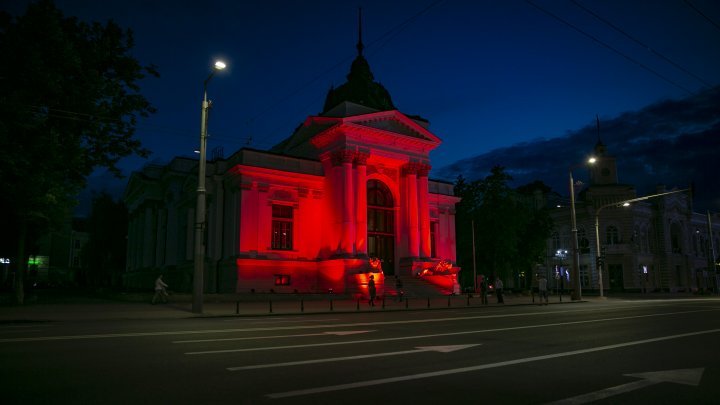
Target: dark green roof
(360,88)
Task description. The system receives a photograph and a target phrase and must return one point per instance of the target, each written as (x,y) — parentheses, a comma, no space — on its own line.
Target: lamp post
(577,292)
(198,284)
(624,203)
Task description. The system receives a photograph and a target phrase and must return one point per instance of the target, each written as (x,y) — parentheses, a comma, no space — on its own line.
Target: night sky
(514,82)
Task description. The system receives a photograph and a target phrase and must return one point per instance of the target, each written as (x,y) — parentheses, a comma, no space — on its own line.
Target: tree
(69,102)
(104,255)
(510,230)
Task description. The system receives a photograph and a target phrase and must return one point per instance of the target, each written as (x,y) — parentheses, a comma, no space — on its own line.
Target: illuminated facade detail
(312,214)
(654,245)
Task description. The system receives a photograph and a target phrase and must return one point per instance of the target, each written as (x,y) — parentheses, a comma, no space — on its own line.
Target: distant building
(58,259)
(659,244)
(312,214)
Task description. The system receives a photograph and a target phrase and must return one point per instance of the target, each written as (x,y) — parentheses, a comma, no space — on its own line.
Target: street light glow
(626,204)
(220,65)
(592,160)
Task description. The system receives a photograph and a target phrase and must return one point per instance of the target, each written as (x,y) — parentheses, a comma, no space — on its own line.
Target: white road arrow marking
(432,374)
(336,333)
(421,349)
(688,376)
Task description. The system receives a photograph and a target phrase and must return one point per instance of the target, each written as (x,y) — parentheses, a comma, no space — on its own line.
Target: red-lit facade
(345,197)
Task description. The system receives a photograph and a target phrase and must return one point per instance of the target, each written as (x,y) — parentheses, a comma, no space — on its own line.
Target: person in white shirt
(499,290)
(160,290)
(542,289)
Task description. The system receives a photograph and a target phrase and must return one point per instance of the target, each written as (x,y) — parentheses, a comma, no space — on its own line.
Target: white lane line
(336,333)
(277,320)
(381,381)
(421,349)
(321,326)
(351,342)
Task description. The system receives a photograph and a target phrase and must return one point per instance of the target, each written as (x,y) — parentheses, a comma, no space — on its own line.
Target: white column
(361,215)
(348,211)
(424,211)
(412,209)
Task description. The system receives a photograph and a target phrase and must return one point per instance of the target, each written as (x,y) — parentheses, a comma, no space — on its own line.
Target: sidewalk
(180,307)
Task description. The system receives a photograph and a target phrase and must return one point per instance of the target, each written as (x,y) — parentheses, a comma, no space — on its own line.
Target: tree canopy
(69,103)
(510,228)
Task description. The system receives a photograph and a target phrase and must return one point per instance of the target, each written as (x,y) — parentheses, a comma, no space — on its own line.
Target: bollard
(331,304)
(302,305)
(270,305)
(428,302)
(406,303)
(383,302)
(358,305)
(533,295)
(449,301)
(237,308)
(468,301)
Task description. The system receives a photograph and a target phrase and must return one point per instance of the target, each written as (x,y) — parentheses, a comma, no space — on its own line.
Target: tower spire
(360,45)
(597,119)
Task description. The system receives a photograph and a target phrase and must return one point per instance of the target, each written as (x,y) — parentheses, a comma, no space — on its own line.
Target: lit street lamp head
(219,65)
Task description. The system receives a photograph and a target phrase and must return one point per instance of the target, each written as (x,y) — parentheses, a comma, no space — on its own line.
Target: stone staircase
(414,287)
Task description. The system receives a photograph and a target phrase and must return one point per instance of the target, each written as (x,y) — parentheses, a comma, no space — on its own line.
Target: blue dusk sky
(513,82)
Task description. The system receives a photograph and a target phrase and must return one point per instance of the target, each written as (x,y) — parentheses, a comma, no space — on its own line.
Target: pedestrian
(484,289)
(160,290)
(542,289)
(399,288)
(371,291)
(499,290)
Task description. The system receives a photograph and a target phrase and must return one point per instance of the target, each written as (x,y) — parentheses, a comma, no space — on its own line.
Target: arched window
(381,224)
(612,235)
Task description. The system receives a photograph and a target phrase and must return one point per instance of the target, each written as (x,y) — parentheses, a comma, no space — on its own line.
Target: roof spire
(360,45)
(598,127)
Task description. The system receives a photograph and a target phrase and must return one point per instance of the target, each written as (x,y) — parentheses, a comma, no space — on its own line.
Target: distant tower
(604,171)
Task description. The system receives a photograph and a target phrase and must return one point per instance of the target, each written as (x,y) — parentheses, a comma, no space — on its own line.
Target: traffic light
(599,261)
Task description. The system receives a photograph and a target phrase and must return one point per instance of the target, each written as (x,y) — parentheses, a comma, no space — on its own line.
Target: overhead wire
(697,10)
(642,44)
(610,47)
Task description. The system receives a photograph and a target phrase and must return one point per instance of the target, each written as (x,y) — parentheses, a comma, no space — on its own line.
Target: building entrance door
(381,225)
(615,271)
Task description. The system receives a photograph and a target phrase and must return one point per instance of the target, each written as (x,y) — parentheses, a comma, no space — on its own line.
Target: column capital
(341,157)
(415,168)
(361,158)
(423,169)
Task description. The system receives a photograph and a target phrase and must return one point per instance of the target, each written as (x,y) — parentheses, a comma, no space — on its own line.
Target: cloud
(671,142)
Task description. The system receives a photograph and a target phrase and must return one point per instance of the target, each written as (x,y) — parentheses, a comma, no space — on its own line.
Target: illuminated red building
(346,196)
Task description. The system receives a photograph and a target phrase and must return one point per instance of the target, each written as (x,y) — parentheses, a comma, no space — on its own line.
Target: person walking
(542,290)
(499,290)
(371,291)
(160,290)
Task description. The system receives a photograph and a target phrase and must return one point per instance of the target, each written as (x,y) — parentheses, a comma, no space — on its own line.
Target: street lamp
(198,284)
(624,203)
(577,293)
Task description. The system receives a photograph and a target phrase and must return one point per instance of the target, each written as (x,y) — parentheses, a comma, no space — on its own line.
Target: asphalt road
(626,352)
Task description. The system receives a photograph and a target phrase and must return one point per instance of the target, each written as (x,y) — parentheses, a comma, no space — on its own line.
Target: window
(282,227)
(675,238)
(583,242)
(612,235)
(433,250)
(555,242)
(282,279)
